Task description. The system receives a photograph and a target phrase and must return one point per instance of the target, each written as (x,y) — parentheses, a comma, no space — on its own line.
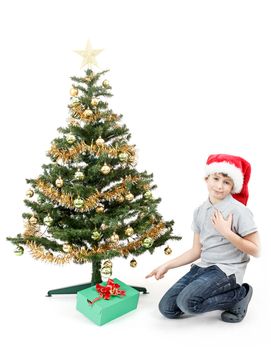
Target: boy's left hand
(221,225)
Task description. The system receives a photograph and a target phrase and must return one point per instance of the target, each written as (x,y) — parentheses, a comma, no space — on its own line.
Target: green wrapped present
(106,301)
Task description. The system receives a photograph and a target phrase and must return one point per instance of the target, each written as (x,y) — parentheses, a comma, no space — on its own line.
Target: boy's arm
(186,258)
(250,244)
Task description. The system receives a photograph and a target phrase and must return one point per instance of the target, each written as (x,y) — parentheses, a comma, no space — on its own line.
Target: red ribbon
(106,291)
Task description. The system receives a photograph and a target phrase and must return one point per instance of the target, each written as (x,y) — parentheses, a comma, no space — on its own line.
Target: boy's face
(219,186)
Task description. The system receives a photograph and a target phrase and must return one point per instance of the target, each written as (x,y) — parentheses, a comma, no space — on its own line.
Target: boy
(224,237)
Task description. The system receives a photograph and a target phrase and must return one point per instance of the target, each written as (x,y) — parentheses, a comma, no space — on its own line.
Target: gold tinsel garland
(38,251)
(67,155)
(79,113)
(91,202)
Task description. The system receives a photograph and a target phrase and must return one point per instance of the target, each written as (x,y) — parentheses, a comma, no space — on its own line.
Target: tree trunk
(96,272)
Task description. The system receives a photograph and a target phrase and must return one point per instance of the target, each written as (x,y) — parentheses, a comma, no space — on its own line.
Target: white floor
(33,321)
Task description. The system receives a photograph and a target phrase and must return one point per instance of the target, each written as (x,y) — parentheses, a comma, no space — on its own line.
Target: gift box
(100,310)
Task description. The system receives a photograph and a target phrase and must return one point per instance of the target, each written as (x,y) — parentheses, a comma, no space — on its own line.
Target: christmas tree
(90,203)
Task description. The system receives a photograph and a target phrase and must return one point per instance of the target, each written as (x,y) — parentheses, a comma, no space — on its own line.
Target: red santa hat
(237,168)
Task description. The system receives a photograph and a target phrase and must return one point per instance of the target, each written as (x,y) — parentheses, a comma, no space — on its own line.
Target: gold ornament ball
(167,250)
(94,102)
(19,250)
(99,141)
(106,84)
(29,193)
(100,208)
(33,220)
(87,113)
(67,248)
(129,196)
(73,91)
(78,203)
(48,220)
(79,175)
(123,157)
(133,263)
(108,263)
(105,169)
(148,195)
(74,102)
(59,182)
(148,242)
(106,273)
(96,235)
(103,227)
(129,231)
(70,138)
(114,238)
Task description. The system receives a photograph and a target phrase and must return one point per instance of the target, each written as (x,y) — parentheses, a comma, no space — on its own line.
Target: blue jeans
(201,290)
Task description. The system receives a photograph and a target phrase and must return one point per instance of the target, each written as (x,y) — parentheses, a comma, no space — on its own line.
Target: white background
(191,78)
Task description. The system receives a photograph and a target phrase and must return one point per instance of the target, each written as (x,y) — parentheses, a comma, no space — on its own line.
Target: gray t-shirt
(217,250)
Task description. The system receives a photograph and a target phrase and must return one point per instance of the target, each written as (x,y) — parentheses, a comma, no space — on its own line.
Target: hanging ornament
(33,220)
(96,235)
(79,175)
(133,263)
(99,141)
(114,238)
(167,250)
(123,157)
(78,202)
(148,195)
(74,102)
(100,208)
(94,102)
(106,272)
(88,112)
(105,169)
(70,138)
(67,248)
(108,263)
(129,196)
(148,242)
(48,220)
(73,91)
(19,250)
(59,182)
(30,193)
(106,84)
(103,227)
(119,198)
(129,231)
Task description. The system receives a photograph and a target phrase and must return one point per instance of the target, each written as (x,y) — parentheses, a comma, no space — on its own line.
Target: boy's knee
(189,305)
(165,311)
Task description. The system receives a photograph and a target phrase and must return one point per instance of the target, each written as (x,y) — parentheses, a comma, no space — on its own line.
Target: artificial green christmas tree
(90,203)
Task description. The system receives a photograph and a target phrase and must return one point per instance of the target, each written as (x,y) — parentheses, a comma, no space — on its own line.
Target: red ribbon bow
(105,292)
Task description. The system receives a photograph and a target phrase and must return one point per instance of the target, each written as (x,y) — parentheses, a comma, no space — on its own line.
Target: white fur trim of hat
(231,170)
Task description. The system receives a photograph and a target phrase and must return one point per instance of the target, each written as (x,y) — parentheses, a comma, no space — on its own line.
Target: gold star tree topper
(89,55)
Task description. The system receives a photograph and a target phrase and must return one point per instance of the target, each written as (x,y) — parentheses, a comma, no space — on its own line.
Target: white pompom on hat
(237,168)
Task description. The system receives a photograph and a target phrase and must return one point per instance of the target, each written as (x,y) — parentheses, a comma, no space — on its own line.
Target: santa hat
(237,168)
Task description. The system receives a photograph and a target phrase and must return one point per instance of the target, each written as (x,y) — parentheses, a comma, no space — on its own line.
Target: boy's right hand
(158,273)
